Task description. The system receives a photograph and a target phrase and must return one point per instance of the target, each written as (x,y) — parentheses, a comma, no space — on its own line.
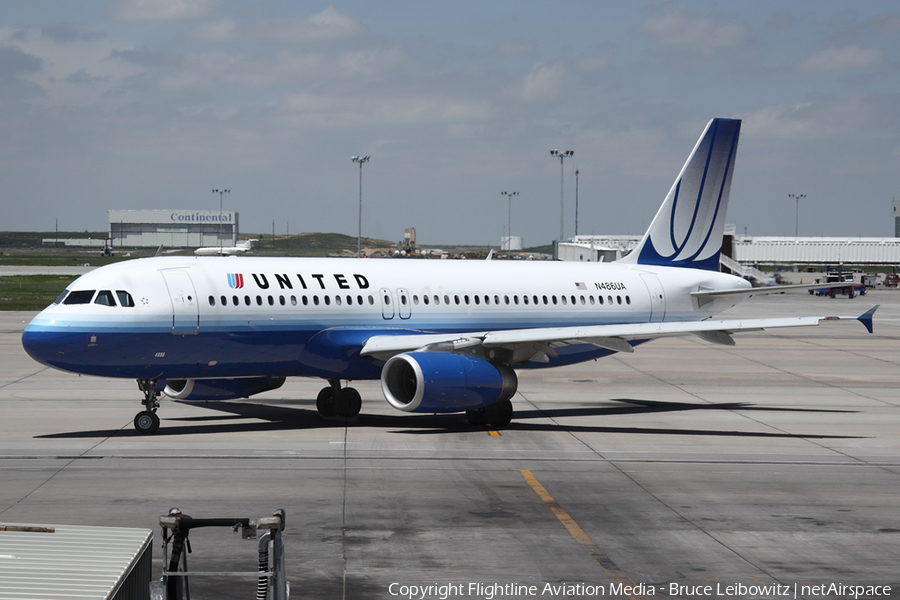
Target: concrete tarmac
(681,466)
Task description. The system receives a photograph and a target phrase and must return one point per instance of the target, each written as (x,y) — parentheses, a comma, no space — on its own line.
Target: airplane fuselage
(243,317)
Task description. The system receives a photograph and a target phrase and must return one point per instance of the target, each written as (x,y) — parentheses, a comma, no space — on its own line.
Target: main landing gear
(335,401)
(498,414)
(147,422)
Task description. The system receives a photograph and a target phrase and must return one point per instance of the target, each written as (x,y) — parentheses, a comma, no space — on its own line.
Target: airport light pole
(576,202)
(562,155)
(361,160)
(221,193)
(509,196)
(797,222)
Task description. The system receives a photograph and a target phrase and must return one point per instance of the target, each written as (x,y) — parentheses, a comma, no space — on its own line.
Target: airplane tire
(348,403)
(146,422)
(498,414)
(475,417)
(325,402)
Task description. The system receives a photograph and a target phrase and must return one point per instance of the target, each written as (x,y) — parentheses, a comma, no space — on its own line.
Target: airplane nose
(37,345)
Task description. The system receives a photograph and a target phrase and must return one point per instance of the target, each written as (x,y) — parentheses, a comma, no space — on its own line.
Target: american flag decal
(235,281)
(579,285)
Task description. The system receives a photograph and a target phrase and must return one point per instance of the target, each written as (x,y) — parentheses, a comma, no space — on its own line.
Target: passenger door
(185,307)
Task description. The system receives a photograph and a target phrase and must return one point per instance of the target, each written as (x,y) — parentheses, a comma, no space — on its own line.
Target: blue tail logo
(687,230)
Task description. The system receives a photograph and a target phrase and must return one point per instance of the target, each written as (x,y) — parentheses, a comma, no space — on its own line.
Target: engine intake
(220,389)
(442,382)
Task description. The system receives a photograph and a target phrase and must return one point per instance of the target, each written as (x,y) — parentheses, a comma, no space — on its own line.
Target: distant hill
(312,244)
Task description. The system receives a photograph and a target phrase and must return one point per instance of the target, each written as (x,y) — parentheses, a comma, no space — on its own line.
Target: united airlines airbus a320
(443,336)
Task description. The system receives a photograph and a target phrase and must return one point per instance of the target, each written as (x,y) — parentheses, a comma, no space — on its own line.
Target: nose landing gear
(146,422)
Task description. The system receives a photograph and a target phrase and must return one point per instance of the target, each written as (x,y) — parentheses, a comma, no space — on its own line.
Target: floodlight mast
(221,193)
(361,160)
(561,155)
(797,221)
(509,196)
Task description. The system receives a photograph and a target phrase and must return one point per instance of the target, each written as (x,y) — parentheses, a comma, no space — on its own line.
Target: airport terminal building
(172,228)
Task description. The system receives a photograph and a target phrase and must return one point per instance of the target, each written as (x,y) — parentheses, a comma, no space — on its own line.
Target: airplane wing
(705,296)
(537,344)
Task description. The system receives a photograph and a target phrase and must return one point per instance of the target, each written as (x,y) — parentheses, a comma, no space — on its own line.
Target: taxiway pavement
(685,463)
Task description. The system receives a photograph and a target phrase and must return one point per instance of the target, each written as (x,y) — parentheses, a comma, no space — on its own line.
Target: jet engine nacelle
(220,389)
(442,382)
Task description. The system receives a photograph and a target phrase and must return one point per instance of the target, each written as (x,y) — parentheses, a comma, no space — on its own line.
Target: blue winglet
(866,317)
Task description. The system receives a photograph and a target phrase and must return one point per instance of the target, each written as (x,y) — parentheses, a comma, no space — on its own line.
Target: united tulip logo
(235,281)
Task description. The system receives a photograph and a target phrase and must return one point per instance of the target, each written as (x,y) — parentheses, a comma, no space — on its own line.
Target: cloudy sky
(153,103)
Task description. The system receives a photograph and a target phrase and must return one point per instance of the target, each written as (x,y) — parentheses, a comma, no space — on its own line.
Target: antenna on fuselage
(158,251)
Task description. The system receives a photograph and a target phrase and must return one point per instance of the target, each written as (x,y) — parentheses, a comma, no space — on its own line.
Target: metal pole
(361,160)
(509,196)
(576,202)
(797,216)
(221,193)
(563,154)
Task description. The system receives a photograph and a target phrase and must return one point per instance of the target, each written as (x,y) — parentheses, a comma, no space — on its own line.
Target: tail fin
(687,230)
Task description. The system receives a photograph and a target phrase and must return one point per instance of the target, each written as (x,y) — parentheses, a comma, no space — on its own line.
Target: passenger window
(235,301)
(424,299)
(293,300)
(125,299)
(212,300)
(456,299)
(337,300)
(327,299)
(223,299)
(259,300)
(350,300)
(80,297)
(497,300)
(477,300)
(563,298)
(247,300)
(437,299)
(446,299)
(359,300)
(271,301)
(105,297)
(281,300)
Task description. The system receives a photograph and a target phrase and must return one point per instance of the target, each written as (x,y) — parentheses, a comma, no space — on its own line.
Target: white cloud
(327,26)
(74,70)
(545,82)
(853,57)
(159,10)
(678,27)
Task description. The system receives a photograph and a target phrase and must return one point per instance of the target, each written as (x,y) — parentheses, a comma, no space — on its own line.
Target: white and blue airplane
(443,336)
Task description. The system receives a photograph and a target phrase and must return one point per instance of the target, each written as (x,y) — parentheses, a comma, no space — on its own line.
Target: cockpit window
(61,296)
(125,298)
(105,297)
(79,297)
